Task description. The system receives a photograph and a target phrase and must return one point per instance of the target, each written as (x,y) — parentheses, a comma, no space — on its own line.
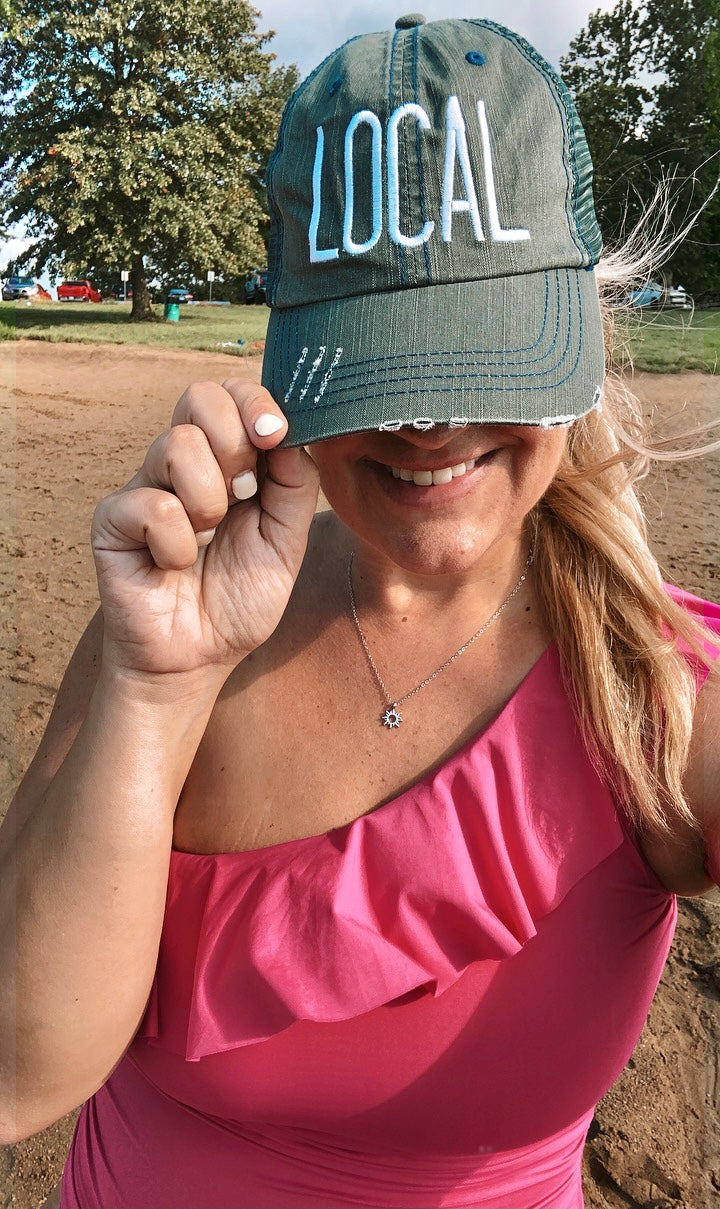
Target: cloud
(10,249)
(308,32)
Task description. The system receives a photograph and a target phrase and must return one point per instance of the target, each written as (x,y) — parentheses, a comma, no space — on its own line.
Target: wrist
(153,723)
(197,689)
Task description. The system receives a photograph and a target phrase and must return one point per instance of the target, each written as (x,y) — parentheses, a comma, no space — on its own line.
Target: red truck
(78,291)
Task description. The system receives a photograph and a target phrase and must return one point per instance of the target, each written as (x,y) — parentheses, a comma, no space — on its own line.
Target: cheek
(336,463)
(336,483)
(539,463)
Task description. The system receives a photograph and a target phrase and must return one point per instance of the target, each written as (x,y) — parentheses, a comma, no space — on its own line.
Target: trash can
(172,312)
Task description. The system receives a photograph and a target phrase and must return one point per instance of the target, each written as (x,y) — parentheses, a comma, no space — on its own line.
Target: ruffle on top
(460,868)
(706,612)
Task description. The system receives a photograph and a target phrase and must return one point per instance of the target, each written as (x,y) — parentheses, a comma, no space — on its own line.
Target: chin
(433,550)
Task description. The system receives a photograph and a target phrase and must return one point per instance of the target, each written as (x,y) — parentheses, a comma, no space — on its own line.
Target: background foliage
(646,78)
(135,135)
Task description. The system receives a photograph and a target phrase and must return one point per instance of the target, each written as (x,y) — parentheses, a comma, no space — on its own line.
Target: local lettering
(457,159)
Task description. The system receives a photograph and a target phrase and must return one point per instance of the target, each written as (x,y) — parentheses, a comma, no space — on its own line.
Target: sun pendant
(392,717)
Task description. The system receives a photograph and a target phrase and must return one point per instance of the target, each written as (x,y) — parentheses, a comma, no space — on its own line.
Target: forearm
(82,903)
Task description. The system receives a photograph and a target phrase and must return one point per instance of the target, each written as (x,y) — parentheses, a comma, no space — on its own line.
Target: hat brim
(522,349)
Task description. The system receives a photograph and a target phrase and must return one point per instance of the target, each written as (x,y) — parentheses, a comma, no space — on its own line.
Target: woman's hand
(189,574)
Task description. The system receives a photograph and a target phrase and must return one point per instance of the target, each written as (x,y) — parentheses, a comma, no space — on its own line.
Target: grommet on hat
(433,238)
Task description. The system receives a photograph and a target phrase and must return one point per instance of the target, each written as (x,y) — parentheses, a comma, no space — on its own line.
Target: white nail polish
(204,537)
(266,425)
(244,485)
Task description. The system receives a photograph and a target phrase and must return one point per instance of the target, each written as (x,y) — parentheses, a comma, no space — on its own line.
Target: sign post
(211,278)
(124,277)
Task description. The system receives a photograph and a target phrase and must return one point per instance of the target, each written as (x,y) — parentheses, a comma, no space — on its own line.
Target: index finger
(221,411)
(238,418)
(263,420)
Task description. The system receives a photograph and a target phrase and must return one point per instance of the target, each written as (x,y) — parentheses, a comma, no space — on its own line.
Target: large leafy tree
(135,133)
(604,70)
(683,130)
(646,78)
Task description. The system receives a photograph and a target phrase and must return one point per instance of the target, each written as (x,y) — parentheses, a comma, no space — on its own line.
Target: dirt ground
(78,418)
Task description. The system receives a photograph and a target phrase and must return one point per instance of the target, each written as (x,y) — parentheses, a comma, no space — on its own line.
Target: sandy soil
(78,419)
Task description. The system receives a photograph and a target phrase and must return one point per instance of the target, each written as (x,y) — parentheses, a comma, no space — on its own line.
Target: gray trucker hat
(433,238)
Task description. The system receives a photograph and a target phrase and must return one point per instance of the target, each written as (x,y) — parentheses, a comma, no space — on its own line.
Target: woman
(296,937)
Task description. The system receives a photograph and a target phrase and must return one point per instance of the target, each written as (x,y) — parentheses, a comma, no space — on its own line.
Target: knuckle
(235,383)
(186,438)
(200,394)
(164,509)
(245,392)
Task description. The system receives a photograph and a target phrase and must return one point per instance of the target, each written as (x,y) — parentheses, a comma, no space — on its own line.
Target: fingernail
(244,485)
(204,537)
(266,425)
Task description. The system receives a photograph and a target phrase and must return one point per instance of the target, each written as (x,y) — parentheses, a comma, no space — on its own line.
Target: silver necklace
(391,717)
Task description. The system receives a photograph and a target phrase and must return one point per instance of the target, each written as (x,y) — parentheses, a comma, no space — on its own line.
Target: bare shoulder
(703,773)
(66,718)
(679,861)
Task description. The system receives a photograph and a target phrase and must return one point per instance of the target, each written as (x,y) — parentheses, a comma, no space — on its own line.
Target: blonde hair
(601,587)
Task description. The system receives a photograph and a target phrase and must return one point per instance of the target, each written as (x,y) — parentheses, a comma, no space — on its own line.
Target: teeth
(428,478)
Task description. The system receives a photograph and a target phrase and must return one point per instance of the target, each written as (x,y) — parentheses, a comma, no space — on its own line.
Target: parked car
(679,297)
(78,291)
(656,296)
(117,291)
(178,293)
(256,287)
(19,287)
(649,295)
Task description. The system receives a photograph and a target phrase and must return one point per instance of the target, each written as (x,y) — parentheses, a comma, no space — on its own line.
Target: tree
(604,69)
(136,133)
(646,79)
(683,132)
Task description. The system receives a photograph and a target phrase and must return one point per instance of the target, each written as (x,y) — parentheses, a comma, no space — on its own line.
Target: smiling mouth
(440,475)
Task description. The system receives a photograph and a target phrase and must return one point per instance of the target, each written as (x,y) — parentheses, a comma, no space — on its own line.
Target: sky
(308,30)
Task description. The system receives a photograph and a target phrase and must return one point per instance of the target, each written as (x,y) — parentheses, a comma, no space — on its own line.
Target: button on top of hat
(410,21)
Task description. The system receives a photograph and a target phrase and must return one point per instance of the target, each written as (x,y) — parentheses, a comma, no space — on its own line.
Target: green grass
(659,342)
(201,327)
(669,342)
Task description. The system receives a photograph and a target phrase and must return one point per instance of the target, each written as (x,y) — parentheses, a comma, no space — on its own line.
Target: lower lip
(438,494)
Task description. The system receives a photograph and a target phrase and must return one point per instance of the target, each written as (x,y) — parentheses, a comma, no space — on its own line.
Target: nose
(440,435)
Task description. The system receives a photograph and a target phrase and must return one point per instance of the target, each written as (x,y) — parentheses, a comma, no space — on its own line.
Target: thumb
(289,490)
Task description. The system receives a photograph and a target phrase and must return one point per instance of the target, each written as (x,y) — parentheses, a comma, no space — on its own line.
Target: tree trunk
(141,305)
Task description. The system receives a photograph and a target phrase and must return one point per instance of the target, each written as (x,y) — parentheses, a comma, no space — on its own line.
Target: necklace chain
(391,718)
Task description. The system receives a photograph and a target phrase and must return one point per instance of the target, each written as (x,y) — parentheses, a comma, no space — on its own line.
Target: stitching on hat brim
(415,359)
(525,381)
(348,376)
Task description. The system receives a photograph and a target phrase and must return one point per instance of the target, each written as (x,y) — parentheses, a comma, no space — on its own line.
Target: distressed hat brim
(521,349)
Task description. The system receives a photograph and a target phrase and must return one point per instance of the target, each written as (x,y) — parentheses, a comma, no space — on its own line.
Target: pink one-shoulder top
(420,1008)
